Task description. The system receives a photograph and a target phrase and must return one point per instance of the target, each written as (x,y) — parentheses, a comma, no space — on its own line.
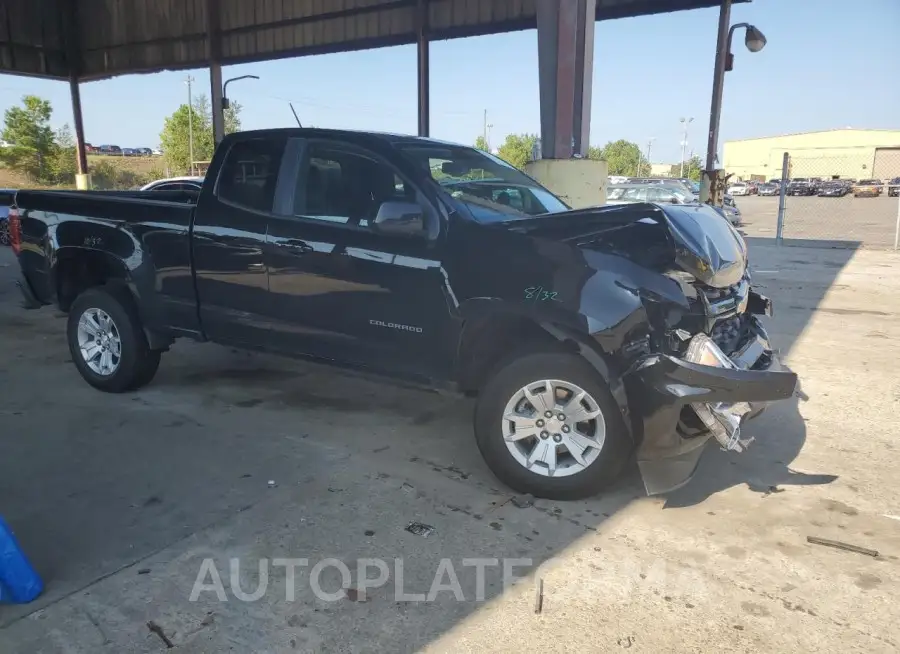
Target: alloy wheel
(99,342)
(553,428)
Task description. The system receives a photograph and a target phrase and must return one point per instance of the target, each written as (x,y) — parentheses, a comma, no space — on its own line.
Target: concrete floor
(119,499)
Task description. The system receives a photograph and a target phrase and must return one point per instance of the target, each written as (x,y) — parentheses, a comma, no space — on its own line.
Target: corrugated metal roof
(113,37)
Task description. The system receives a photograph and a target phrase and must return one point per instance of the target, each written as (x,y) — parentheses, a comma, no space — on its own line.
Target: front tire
(107,343)
(547,425)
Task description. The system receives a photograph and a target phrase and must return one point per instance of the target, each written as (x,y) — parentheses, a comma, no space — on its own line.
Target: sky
(826,65)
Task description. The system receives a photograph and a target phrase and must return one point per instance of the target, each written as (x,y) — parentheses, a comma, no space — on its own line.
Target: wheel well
(78,271)
(488,342)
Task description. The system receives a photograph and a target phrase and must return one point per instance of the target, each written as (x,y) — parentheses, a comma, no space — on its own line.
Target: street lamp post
(225,102)
(685,122)
(755,41)
(189,81)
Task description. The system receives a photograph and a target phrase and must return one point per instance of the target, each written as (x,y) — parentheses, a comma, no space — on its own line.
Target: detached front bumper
(723,391)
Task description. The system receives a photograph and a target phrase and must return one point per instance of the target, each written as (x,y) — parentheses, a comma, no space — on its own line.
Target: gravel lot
(119,499)
(867,222)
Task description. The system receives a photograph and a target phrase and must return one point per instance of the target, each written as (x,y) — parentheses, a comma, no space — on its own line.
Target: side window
(345,185)
(250,173)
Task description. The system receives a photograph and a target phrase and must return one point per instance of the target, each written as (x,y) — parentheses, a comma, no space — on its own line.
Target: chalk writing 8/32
(538,294)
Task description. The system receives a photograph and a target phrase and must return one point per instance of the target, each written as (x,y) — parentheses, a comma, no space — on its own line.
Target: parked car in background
(663,194)
(157,153)
(659,193)
(753,185)
(739,188)
(144,152)
(833,189)
(110,149)
(801,186)
(769,189)
(893,187)
(867,188)
(6,196)
(175,184)
(674,182)
(129,152)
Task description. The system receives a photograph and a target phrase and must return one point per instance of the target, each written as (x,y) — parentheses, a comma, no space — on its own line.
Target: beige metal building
(844,153)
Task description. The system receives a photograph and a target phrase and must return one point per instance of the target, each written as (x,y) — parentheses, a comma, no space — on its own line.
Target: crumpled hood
(705,244)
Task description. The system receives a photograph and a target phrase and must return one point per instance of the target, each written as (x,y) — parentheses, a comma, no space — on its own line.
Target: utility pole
(189,81)
(649,145)
(684,140)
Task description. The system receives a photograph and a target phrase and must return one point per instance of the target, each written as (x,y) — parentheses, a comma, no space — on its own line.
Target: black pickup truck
(586,334)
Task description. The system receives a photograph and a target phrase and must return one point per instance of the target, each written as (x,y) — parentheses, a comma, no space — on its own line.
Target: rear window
(250,173)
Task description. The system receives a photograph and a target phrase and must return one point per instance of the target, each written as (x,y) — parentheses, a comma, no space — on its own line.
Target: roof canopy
(93,39)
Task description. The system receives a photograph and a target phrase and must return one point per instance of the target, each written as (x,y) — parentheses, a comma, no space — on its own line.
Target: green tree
(594,152)
(33,144)
(624,158)
(63,167)
(517,149)
(175,140)
(693,169)
(482,144)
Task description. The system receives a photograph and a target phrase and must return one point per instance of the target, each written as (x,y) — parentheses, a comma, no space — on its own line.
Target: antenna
(291,105)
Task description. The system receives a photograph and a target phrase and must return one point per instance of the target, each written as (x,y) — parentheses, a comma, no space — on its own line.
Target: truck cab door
(229,240)
(342,290)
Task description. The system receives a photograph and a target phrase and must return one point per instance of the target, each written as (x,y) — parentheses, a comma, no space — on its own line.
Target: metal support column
(213,56)
(423,67)
(565,63)
(73,62)
(80,151)
(712,187)
(218,112)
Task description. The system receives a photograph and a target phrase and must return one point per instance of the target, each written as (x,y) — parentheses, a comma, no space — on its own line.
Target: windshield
(870,182)
(493,190)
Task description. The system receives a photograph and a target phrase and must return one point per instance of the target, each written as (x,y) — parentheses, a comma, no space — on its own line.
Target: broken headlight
(723,419)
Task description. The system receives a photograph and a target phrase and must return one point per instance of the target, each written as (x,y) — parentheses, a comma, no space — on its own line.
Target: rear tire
(508,454)
(127,362)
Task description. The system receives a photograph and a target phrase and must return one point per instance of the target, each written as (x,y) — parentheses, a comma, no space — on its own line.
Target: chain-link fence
(850,199)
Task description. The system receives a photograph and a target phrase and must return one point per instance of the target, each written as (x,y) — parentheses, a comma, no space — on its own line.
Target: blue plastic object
(19,583)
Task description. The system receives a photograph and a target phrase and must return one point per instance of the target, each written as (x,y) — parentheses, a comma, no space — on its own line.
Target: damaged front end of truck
(696,362)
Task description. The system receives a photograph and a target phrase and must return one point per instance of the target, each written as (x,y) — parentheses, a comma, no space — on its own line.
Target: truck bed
(144,235)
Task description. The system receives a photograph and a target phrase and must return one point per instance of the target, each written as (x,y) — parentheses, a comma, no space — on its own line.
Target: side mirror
(674,200)
(402,218)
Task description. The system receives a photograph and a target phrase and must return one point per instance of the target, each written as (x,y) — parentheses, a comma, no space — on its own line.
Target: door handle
(256,266)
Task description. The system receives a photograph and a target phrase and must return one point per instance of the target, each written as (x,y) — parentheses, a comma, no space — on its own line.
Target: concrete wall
(579,182)
(847,153)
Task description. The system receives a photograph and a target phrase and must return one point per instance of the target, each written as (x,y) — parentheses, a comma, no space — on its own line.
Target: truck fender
(600,362)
